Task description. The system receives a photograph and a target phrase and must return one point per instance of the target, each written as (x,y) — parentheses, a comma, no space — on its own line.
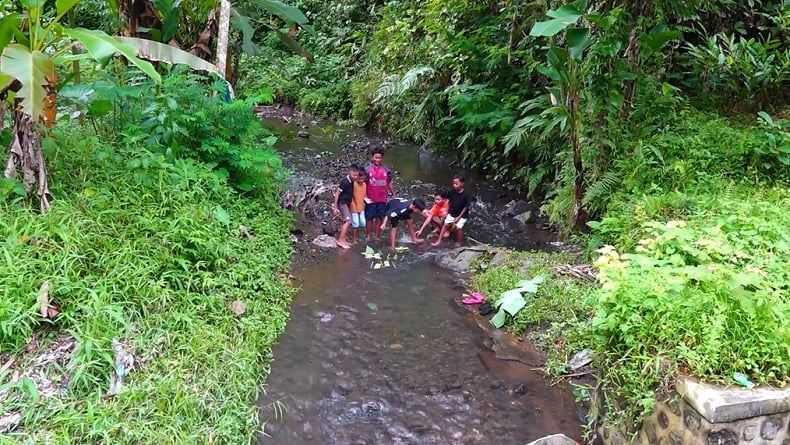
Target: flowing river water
(388,356)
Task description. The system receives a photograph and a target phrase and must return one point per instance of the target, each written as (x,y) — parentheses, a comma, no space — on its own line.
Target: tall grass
(147,251)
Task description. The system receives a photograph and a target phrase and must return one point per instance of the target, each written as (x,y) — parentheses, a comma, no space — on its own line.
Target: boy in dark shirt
(401,209)
(343,197)
(457,213)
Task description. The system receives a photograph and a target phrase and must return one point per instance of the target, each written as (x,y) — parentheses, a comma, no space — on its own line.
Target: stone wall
(700,414)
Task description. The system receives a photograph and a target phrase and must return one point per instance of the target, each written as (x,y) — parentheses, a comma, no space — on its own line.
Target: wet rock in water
(325,241)
(526,217)
(554,439)
(303,134)
(459,260)
(515,207)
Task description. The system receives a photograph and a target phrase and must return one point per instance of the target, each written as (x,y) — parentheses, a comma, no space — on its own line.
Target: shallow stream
(387,355)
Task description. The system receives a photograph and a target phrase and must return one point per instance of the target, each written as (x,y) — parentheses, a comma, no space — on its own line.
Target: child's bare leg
(441,235)
(377,228)
(341,239)
(459,237)
(354,232)
(369,229)
(393,234)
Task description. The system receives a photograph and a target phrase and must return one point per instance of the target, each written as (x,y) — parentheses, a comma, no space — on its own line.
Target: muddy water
(387,356)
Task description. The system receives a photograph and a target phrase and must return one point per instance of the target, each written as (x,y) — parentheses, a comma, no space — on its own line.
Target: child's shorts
(459,222)
(358,219)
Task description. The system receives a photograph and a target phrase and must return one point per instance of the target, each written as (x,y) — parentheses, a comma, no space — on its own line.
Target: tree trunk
(222,37)
(25,155)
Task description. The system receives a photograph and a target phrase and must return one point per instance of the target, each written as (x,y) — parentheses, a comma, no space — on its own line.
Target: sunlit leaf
(513,304)
(763,115)
(498,320)
(160,52)
(101,46)
(530,285)
(30,68)
(222,215)
(64,6)
(565,13)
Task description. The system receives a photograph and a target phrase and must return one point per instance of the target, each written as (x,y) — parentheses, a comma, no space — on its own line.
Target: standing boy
(378,187)
(457,213)
(358,205)
(343,198)
(401,209)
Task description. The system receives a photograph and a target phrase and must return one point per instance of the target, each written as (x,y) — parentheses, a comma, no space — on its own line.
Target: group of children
(363,200)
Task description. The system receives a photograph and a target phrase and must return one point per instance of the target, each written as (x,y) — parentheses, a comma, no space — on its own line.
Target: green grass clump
(145,250)
(556,317)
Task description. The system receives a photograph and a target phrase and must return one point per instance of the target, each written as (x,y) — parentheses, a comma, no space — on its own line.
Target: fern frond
(394,85)
(601,190)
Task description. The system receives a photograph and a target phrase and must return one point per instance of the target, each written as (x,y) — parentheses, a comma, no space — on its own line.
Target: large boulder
(460,259)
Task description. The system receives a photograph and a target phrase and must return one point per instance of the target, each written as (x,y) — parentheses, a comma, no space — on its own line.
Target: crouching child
(399,209)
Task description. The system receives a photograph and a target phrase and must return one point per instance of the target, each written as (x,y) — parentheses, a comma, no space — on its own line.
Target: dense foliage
(472,78)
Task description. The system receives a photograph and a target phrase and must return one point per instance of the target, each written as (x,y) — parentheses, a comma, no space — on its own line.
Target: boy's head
(353,172)
(377,156)
(439,198)
(458,182)
(362,176)
(418,205)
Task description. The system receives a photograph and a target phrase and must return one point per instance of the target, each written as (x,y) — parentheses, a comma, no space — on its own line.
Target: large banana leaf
(30,68)
(159,52)
(101,47)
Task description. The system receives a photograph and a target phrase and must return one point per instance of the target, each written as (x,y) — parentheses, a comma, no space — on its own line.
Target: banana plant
(32,45)
(566,69)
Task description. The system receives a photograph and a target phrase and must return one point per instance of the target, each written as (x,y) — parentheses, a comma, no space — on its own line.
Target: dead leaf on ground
(47,308)
(238,307)
(246,232)
(10,421)
(7,365)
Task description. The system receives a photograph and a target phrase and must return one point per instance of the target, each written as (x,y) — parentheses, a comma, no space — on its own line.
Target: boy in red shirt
(436,214)
(379,186)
